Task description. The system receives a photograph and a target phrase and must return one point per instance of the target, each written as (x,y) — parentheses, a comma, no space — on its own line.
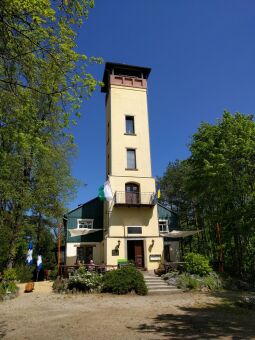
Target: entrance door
(135,252)
(132,193)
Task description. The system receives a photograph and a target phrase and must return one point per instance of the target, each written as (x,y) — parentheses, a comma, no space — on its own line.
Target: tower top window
(130,126)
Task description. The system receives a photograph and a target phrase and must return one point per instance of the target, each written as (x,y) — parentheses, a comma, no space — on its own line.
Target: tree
(223,178)
(43,81)
(214,190)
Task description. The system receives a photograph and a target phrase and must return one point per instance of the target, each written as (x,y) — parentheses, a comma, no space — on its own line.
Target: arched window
(132,193)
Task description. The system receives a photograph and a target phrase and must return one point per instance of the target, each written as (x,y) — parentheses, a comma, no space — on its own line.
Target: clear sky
(202,55)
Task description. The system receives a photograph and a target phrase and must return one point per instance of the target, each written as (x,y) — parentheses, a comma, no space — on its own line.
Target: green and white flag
(105,192)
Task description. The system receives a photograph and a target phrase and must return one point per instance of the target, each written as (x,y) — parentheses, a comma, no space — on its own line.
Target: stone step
(156,285)
(164,291)
(160,286)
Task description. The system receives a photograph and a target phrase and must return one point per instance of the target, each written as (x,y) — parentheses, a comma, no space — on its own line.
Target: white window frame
(160,222)
(134,166)
(88,221)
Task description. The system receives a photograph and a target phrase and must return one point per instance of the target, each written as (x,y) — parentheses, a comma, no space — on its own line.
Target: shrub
(197,264)
(124,280)
(8,289)
(60,285)
(84,281)
(196,282)
(8,286)
(81,280)
(213,281)
(10,274)
(24,273)
(53,273)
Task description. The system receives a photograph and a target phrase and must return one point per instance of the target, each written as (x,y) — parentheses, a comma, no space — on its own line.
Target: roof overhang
(180,233)
(82,231)
(124,69)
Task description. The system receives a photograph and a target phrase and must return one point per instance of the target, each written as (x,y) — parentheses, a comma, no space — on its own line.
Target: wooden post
(59,242)
(221,266)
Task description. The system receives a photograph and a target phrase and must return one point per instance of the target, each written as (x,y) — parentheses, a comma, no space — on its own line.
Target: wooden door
(139,254)
(132,193)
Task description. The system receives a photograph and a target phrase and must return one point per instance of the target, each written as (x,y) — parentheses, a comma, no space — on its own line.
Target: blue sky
(202,55)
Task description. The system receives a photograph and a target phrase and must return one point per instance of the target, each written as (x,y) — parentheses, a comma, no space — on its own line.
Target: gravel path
(45,315)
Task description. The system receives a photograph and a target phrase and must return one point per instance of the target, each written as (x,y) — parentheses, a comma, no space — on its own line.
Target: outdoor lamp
(151,245)
(118,245)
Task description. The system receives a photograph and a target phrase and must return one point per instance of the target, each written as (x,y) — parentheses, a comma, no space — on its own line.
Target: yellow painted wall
(71,251)
(156,249)
(124,101)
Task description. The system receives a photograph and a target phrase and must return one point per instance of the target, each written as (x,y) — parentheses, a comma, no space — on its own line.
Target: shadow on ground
(3,329)
(210,321)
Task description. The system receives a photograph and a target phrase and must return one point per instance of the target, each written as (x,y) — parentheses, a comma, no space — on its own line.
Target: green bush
(53,273)
(24,273)
(60,285)
(81,281)
(124,280)
(197,264)
(84,281)
(196,282)
(10,274)
(213,281)
(8,288)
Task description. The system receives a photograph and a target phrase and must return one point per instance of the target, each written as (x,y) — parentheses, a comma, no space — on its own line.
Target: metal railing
(134,198)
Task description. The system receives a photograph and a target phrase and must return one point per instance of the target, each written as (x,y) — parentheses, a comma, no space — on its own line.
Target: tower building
(131,228)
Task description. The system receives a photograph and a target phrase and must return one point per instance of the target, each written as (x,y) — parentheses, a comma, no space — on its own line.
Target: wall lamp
(118,245)
(151,245)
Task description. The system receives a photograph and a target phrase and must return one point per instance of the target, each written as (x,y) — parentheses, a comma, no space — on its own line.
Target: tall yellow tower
(131,219)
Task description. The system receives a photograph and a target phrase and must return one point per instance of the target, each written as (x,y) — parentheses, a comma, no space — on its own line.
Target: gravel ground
(45,315)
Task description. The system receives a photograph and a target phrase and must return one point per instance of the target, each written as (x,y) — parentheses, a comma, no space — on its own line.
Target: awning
(180,233)
(82,231)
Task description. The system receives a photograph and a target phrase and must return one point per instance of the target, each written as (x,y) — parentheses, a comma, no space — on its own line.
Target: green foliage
(53,273)
(81,281)
(84,281)
(188,281)
(8,286)
(124,280)
(216,186)
(60,285)
(24,273)
(10,275)
(43,80)
(213,281)
(197,264)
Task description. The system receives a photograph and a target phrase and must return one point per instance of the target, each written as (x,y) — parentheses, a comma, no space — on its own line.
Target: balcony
(134,199)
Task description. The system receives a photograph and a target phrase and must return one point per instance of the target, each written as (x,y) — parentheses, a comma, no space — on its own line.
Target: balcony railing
(134,198)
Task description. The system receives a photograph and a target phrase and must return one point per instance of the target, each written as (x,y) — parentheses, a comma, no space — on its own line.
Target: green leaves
(43,81)
(217,185)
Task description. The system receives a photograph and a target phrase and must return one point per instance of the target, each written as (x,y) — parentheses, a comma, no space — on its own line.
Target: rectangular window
(163,226)
(85,223)
(131,159)
(85,254)
(134,230)
(130,127)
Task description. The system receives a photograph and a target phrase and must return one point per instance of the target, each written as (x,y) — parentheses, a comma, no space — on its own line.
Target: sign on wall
(155,257)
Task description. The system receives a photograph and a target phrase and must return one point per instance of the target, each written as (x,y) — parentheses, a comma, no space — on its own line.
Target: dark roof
(80,205)
(166,208)
(123,69)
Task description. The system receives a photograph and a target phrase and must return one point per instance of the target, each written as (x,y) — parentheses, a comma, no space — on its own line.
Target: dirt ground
(43,314)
